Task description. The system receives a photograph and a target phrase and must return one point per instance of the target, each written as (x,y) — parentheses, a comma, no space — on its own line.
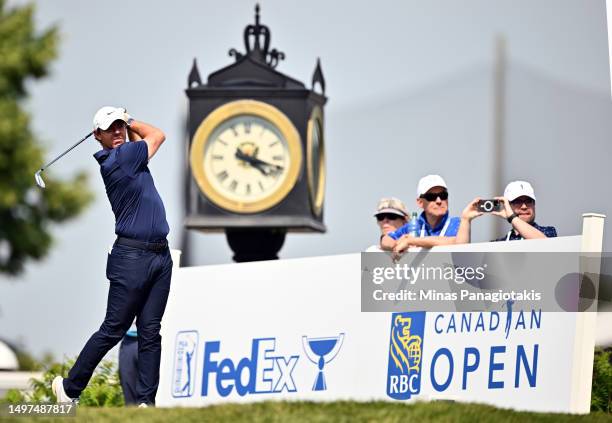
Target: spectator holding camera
(434,226)
(390,215)
(517,206)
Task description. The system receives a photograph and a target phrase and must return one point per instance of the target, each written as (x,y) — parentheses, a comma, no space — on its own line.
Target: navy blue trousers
(128,369)
(139,287)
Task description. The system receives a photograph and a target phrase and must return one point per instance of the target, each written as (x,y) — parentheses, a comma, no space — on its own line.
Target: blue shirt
(138,208)
(549,231)
(425,228)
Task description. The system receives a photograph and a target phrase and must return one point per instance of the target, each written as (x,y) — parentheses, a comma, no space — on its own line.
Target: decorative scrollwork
(257,44)
(274,57)
(235,53)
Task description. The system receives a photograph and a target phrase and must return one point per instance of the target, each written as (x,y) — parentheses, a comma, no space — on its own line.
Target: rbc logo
(263,372)
(405,351)
(183,377)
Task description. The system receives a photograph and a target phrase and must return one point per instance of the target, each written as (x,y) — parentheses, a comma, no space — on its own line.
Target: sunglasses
(519,202)
(388,216)
(432,196)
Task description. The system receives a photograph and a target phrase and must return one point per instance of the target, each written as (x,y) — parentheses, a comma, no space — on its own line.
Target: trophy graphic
(321,351)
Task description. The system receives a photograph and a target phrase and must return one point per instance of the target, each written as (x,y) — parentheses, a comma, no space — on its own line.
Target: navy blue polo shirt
(138,208)
(548,231)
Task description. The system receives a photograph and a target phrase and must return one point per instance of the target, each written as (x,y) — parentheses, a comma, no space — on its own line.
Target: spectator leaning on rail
(518,208)
(390,215)
(435,226)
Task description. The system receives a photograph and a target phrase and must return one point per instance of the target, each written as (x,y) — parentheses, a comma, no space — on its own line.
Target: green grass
(318,412)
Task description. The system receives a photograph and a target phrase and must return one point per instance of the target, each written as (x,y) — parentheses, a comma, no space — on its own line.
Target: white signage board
(294,330)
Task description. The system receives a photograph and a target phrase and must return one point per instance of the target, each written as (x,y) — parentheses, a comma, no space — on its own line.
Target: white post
(584,333)
(609,18)
(176,258)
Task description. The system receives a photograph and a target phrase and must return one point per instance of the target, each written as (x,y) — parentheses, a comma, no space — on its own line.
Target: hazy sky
(410,92)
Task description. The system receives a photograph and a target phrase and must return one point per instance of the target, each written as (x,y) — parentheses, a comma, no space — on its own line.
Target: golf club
(39,179)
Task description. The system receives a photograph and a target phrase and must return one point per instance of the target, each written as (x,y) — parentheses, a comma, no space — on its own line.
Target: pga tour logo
(185,352)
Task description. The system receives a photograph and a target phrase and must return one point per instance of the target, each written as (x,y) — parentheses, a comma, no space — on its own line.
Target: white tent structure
(10,376)
(8,358)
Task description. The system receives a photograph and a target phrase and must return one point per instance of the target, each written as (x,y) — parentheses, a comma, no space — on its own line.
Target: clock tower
(256,150)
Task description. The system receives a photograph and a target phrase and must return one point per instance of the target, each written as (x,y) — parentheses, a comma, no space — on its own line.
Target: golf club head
(39,179)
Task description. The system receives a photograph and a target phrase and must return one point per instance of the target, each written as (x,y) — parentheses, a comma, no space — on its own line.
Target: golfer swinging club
(139,267)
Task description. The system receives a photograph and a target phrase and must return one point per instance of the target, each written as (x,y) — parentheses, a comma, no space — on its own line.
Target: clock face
(246,156)
(316,160)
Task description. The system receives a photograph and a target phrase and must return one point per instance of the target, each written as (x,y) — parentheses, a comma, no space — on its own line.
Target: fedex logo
(263,372)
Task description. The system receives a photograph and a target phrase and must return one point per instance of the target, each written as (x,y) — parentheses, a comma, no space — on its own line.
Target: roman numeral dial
(249,161)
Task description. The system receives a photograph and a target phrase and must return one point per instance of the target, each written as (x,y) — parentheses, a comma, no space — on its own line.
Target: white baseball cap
(516,189)
(428,182)
(106,116)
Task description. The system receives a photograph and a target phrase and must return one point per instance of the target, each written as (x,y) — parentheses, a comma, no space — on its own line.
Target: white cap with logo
(516,189)
(428,182)
(107,115)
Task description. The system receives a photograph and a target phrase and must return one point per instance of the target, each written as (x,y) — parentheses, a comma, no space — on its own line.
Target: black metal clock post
(256,150)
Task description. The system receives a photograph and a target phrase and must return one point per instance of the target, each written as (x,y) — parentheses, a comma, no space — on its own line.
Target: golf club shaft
(66,152)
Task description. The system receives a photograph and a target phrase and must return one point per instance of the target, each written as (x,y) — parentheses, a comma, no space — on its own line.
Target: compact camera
(488,206)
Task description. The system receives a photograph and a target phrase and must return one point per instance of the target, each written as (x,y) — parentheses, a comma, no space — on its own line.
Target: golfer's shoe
(57,386)
(143,405)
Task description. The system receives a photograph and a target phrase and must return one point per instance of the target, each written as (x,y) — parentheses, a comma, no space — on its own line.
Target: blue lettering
(451,324)
(438,317)
(225,372)
(480,323)
(466,322)
(209,365)
(265,346)
(243,364)
(469,367)
(520,321)
(530,372)
(285,381)
(263,372)
(496,315)
(441,387)
(536,318)
(493,366)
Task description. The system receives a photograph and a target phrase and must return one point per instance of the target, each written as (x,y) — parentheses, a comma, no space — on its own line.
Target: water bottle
(413,225)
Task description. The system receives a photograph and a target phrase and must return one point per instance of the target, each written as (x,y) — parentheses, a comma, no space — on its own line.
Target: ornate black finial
(317,76)
(257,44)
(194,75)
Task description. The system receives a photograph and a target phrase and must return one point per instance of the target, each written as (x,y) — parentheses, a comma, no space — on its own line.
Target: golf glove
(126,117)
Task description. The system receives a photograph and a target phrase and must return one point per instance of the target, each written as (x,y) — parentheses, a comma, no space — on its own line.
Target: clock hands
(265,168)
(250,160)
